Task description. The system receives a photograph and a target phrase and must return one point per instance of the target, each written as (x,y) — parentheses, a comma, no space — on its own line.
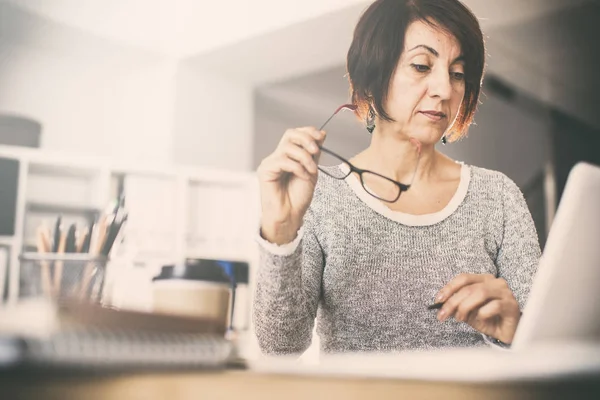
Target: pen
(56,239)
(113,231)
(54,243)
(118,237)
(71,246)
(85,246)
(435,306)
(96,241)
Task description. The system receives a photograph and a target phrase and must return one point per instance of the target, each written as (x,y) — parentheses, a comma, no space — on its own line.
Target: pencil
(102,234)
(59,264)
(43,247)
(81,239)
(45,236)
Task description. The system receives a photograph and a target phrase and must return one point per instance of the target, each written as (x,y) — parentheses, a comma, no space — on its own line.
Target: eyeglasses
(377,185)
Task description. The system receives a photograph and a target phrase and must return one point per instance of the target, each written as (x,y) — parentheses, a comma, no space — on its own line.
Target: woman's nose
(440,85)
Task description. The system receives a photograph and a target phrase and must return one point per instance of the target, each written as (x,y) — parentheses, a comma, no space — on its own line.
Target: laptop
(564,302)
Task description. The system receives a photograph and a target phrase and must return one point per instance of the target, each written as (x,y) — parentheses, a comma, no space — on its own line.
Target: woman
(368,252)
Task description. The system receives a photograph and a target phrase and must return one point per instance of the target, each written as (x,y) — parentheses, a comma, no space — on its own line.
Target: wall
(152,110)
(212,121)
(91,103)
(506,138)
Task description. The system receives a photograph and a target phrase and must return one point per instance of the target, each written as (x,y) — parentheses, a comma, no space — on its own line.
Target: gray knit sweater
(368,273)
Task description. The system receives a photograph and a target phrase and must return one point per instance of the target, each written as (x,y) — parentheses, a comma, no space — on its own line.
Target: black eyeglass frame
(402,186)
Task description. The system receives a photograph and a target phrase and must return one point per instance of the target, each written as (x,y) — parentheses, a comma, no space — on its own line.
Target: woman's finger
(301,139)
(451,305)
(300,155)
(478,297)
(317,135)
(458,282)
(273,166)
(309,138)
(491,310)
(287,164)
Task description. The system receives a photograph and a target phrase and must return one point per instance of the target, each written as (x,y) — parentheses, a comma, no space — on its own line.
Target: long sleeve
(519,253)
(288,292)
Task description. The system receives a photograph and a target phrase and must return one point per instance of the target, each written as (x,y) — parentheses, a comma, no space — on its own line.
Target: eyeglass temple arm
(350,107)
(337,155)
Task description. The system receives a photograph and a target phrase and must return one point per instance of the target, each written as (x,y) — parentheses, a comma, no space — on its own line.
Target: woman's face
(428,86)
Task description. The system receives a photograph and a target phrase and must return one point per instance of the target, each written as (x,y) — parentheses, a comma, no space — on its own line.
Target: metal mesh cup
(62,276)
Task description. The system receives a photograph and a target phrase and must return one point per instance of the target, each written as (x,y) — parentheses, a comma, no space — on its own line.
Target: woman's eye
(459,76)
(420,67)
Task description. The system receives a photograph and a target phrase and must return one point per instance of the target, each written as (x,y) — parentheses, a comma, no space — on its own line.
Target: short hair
(378,43)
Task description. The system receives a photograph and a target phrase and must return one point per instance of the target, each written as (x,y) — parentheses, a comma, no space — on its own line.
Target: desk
(246,385)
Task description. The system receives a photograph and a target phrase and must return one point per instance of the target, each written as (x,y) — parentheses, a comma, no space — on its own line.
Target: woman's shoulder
(330,193)
(491,181)
(489,178)
(327,185)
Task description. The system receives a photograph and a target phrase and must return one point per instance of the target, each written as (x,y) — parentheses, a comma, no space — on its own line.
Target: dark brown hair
(379,41)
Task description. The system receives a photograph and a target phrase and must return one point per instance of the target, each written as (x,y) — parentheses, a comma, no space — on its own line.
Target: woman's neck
(396,157)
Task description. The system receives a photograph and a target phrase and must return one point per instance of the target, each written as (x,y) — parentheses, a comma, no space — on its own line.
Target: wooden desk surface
(245,385)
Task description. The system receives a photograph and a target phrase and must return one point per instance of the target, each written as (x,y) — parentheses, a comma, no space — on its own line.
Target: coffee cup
(199,289)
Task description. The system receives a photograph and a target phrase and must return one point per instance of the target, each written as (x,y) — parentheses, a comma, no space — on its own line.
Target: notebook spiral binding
(98,347)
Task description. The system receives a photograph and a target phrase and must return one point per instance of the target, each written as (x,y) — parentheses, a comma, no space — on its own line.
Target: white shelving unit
(175,212)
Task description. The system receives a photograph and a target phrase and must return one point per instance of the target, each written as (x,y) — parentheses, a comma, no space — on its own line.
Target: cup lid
(237,270)
(198,270)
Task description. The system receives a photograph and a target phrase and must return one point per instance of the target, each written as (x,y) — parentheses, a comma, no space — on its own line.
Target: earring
(444,140)
(371,120)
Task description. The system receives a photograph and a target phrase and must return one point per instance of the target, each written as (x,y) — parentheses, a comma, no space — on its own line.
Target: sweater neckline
(412,219)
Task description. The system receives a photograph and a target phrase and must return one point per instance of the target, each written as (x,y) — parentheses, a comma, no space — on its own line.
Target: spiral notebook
(80,335)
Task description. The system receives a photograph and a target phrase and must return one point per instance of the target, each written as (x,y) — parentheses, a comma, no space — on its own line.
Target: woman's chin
(426,135)
(428,138)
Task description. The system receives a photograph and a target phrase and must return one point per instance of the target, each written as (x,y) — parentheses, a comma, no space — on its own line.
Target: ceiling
(185,28)
(176,28)
(543,47)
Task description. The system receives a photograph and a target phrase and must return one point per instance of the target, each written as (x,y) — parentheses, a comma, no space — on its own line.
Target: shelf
(222,178)
(154,172)
(7,240)
(176,211)
(66,170)
(61,209)
(29,247)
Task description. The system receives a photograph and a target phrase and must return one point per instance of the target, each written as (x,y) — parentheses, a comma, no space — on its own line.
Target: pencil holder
(62,276)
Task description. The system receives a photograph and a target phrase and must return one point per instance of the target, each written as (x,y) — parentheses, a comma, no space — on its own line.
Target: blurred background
(173,104)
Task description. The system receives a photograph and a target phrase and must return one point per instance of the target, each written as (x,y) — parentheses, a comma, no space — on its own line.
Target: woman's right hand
(287,179)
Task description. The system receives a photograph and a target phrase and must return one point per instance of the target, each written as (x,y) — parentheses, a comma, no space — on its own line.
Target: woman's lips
(434,115)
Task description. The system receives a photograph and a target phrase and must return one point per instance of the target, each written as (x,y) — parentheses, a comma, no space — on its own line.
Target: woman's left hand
(482,301)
